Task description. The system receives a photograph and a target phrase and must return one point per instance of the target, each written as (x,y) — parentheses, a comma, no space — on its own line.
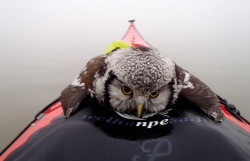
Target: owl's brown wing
(200,94)
(72,96)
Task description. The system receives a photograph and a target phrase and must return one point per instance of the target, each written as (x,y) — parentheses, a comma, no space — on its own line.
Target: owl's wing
(200,94)
(82,85)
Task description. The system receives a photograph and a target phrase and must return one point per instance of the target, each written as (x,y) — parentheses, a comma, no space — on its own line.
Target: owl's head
(138,80)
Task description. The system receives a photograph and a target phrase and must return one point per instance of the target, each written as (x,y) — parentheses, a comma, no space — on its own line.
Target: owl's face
(138,81)
(125,98)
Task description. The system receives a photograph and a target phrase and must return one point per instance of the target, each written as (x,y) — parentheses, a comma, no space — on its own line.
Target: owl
(138,81)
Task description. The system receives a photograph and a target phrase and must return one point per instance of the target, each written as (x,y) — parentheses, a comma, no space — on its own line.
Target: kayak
(97,133)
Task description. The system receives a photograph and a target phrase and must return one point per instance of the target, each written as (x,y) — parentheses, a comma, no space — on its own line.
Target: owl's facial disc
(125,98)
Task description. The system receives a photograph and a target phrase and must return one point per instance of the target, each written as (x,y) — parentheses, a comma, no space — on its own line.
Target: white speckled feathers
(143,68)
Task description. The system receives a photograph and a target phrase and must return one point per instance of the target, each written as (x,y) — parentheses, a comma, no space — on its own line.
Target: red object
(243,124)
(134,37)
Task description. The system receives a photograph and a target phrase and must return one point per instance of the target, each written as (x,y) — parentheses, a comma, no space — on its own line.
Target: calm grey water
(45,44)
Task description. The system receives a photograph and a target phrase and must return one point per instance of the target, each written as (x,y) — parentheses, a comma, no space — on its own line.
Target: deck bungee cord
(233,110)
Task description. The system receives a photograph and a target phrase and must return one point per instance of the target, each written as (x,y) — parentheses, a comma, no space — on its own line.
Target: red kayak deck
(133,37)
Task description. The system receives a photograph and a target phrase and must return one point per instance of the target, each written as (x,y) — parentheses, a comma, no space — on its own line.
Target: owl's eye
(154,94)
(126,90)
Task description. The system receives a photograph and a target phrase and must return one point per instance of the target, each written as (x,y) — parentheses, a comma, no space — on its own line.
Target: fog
(44,45)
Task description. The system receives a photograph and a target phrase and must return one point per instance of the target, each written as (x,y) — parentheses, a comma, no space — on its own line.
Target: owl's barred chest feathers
(134,77)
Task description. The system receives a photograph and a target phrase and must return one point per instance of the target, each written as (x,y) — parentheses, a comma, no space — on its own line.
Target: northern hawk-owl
(138,81)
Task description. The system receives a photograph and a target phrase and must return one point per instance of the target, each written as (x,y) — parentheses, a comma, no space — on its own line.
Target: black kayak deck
(98,133)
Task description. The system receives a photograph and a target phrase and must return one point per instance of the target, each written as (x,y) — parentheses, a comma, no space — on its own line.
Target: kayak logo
(128,123)
(160,148)
(145,124)
(150,124)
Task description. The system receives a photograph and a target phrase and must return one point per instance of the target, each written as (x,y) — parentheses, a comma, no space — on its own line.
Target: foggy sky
(59,25)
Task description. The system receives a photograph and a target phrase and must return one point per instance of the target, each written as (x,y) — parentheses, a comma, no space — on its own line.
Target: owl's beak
(139,109)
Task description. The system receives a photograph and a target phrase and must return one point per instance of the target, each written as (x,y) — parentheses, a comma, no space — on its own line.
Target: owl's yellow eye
(126,90)
(154,94)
